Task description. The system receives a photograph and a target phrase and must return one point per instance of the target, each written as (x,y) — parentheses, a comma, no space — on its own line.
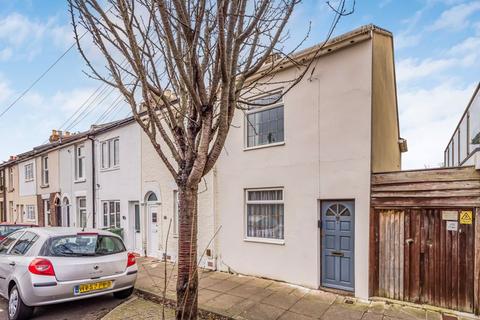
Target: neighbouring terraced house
(463,149)
(289,198)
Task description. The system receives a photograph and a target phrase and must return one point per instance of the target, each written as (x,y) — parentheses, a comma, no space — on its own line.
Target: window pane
(116,155)
(117,214)
(265,221)
(104,155)
(105,214)
(137,218)
(265,127)
(267,195)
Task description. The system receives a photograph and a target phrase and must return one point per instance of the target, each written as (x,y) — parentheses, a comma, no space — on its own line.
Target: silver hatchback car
(40,266)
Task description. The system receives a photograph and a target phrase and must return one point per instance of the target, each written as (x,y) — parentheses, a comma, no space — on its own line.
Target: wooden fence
(423,249)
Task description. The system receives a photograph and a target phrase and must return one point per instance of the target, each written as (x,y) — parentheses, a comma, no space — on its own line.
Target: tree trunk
(187,281)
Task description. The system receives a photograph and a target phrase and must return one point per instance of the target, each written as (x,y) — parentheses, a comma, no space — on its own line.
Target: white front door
(153,228)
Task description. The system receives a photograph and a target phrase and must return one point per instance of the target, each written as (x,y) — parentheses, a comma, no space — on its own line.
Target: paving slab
(288,315)
(339,311)
(261,311)
(250,292)
(224,286)
(222,303)
(281,300)
(310,307)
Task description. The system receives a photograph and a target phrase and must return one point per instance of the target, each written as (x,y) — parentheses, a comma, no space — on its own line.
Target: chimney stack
(55,136)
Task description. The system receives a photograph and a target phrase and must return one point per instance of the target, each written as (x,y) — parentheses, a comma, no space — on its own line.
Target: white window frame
(257,109)
(28,171)
(110,213)
(81,210)
(110,154)
(80,162)
(245,215)
(30,212)
(45,173)
(11,184)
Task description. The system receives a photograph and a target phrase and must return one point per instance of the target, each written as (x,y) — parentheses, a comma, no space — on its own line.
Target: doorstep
(249,298)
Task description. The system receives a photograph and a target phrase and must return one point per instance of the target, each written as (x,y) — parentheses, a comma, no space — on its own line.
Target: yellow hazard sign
(466,217)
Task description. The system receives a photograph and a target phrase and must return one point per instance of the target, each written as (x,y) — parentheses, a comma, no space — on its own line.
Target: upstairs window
(265,121)
(2,178)
(10,178)
(28,172)
(110,153)
(45,177)
(80,162)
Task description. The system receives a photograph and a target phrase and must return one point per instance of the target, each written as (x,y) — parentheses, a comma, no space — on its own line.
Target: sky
(437,57)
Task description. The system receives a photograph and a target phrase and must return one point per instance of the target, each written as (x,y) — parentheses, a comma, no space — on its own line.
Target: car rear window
(83,245)
(6,230)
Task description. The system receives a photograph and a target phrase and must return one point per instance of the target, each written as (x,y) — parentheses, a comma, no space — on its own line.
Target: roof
(94,130)
(336,43)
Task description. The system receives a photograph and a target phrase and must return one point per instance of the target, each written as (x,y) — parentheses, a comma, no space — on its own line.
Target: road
(90,309)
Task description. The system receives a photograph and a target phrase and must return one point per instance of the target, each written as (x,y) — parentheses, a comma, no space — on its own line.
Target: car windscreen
(83,245)
(6,230)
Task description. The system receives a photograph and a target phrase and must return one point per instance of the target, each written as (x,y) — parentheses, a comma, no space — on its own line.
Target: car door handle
(12,264)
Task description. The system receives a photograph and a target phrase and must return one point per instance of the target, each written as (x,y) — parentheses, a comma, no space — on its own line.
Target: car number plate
(89,287)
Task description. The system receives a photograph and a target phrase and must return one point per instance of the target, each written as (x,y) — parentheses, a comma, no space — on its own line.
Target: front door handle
(337,253)
(12,264)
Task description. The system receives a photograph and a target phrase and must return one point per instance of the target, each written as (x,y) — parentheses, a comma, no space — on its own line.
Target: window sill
(265,146)
(266,241)
(11,190)
(80,180)
(110,169)
(44,186)
(29,180)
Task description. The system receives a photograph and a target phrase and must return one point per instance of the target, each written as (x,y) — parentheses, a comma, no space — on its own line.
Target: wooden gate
(421,261)
(422,249)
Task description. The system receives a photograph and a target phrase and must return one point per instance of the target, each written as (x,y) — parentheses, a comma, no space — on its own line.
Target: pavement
(249,298)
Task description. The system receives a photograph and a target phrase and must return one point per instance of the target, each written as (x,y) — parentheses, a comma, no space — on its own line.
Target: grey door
(338,244)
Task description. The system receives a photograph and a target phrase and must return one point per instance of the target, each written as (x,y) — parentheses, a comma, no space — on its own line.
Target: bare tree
(182,66)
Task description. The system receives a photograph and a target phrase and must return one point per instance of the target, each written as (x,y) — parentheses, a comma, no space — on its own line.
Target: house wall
(121,183)
(49,191)
(27,190)
(386,154)
(72,189)
(53,173)
(156,178)
(460,149)
(326,156)
(12,195)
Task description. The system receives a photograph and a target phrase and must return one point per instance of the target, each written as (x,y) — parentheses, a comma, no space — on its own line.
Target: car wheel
(17,310)
(123,294)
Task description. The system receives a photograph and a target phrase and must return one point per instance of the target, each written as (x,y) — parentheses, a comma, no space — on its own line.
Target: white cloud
(456,17)
(470,45)
(410,68)
(23,38)
(428,118)
(6,54)
(406,40)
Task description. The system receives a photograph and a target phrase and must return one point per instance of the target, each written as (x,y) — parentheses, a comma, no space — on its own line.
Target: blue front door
(338,244)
